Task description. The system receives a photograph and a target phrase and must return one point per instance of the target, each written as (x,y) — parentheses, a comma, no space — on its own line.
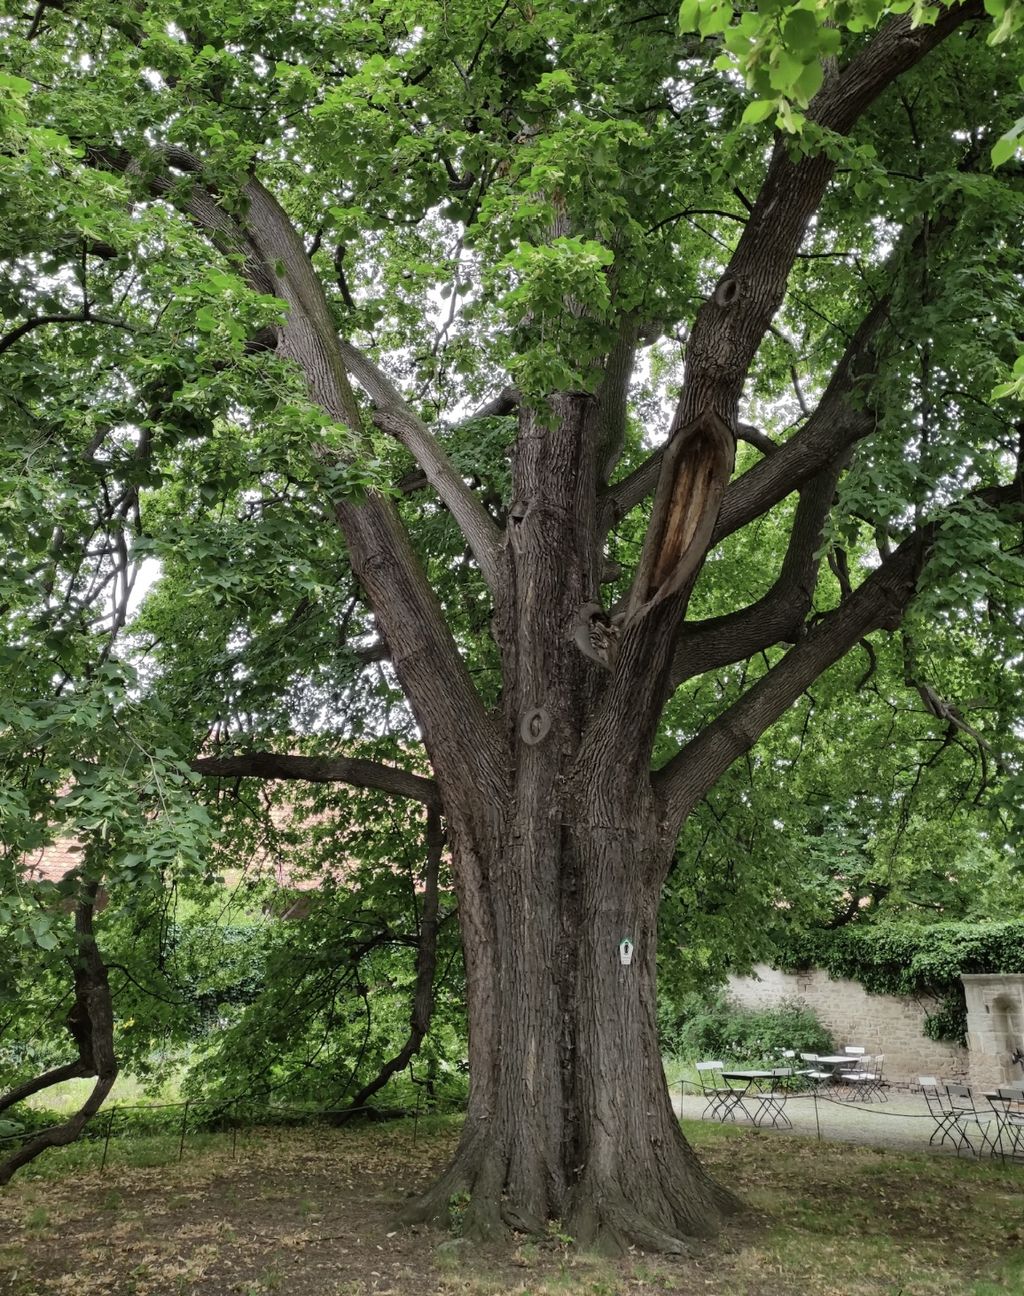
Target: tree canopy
(516,410)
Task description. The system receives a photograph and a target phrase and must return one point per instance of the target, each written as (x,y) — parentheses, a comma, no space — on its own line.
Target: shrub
(713,1026)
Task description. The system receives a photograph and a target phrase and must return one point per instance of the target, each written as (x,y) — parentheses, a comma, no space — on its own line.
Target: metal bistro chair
(1008,1105)
(939,1109)
(866,1079)
(972,1128)
(800,1077)
(721,1099)
(815,1075)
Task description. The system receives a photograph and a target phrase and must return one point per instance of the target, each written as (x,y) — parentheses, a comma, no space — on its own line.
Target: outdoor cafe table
(759,1090)
(837,1061)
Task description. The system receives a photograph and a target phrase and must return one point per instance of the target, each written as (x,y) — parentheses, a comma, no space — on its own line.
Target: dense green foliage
(697,1027)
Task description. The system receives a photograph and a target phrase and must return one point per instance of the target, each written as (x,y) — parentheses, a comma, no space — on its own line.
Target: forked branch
(878,603)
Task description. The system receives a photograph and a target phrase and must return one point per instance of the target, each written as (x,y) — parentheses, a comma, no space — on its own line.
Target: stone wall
(889,1024)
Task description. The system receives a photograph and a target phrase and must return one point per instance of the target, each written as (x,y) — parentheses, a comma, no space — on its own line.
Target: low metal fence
(220,1115)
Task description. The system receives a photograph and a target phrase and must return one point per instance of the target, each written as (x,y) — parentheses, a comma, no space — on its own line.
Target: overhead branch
(506,402)
(937,706)
(613,396)
(836,424)
(322,769)
(726,333)
(393,415)
(755,437)
(626,494)
(878,603)
(426,658)
(731,323)
(38,321)
(779,615)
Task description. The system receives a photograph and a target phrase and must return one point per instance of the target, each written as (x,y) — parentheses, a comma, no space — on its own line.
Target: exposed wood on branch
(634,489)
(695,469)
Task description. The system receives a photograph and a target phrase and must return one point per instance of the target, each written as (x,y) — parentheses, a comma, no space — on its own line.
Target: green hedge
(909,959)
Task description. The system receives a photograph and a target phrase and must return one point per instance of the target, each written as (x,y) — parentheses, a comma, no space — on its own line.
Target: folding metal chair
(972,1128)
(815,1075)
(800,1077)
(939,1109)
(866,1079)
(721,1099)
(1008,1105)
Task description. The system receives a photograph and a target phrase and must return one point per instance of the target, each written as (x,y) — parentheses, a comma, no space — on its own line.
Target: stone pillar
(995,1027)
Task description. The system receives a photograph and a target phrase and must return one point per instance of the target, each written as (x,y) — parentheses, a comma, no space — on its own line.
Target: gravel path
(901,1122)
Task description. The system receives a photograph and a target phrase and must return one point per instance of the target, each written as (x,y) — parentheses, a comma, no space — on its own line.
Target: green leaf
(1006,145)
(800,31)
(758,111)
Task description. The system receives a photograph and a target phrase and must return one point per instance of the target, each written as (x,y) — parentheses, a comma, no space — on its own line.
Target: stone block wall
(889,1024)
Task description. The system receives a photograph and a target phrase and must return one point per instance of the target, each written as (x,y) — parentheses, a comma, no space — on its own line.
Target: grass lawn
(309,1212)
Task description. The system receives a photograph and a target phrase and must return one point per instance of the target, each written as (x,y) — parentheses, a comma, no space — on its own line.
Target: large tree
(393,273)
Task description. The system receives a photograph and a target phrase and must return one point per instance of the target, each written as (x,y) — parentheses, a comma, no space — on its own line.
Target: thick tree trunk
(569,1116)
(579,1126)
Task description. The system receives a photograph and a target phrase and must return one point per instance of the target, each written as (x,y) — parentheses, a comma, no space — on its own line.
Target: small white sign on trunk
(625,951)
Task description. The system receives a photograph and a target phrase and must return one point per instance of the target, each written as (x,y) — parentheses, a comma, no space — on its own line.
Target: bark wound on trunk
(695,471)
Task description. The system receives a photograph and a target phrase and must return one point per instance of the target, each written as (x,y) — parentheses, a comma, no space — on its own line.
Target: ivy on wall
(908,959)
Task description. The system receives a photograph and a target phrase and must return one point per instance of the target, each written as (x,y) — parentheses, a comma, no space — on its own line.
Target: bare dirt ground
(311,1213)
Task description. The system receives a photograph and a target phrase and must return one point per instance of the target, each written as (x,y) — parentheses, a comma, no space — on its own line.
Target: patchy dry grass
(309,1213)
